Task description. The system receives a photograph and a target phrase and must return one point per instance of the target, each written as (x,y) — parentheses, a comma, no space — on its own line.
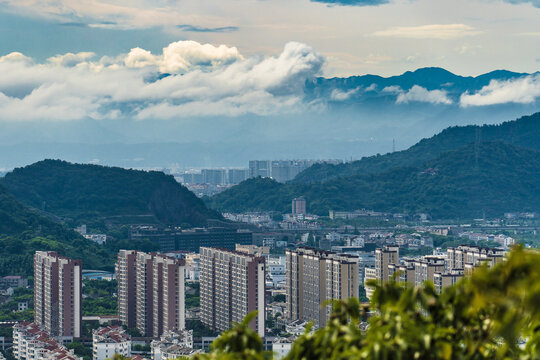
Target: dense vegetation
(86,192)
(23,231)
(493,314)
(523,132)
(99,297)
(490,179)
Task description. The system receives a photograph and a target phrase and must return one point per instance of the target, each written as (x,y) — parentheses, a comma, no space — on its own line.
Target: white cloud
(15,57)
(435,31)
(182,56)
(214,80)
(340,95)
(418,94)
(525,90)
(71,59)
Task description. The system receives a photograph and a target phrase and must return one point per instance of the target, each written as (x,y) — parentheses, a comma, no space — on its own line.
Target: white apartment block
(32,343)
(110,340)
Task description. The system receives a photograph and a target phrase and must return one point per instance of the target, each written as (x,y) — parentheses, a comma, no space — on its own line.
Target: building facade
(232,285)
(151,292)
(299,206)
(57,294)
(314,276)
(110,340)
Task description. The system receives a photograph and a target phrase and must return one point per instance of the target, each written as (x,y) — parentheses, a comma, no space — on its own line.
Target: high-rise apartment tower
(57,294)
(232,286)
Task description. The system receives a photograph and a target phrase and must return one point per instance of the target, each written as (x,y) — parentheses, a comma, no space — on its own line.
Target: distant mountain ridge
(523,132)
(90,191)
(430,78)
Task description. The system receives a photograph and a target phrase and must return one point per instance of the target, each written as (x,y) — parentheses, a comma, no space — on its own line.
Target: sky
(200,67)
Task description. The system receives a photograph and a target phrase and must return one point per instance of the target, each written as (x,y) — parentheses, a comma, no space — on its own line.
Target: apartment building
(232,285)
(466,257)
(426,267)
(370,273)
(383,257)
(442,280)
(299,206)
(110,340)
(151,292)
(314,276)
(30,342)
(57,294)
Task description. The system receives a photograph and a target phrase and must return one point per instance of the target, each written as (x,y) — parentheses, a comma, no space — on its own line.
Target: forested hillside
(523,132)
(23,231)
(86,192)
(489,178)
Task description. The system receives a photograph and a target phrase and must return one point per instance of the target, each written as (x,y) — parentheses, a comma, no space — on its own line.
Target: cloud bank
(202,80)
(525,90)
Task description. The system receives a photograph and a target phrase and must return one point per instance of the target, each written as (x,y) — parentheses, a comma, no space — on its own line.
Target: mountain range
(463,172)
(335,118)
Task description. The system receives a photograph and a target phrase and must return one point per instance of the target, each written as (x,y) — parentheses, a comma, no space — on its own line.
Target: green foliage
(199,329)
(490,179)
(88,192)
(239,343)
(80,350)
(493,314)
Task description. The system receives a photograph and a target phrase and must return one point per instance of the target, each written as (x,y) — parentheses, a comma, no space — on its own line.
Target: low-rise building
(282,346)
(32,343)
(110,340)
(172,345)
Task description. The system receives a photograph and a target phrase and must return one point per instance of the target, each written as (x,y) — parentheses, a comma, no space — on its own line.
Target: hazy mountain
(335,118)
(89,192)
(523,132)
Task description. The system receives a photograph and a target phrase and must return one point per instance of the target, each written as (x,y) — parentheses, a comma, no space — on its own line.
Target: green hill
(22,232)
(87,192)
(492,177)
(523,132)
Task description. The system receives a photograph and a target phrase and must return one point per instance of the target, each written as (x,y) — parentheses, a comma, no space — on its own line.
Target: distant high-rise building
(314,276)
(214,176)
(299,206)
(232,286)
(262,168)
(236,176)
(57,294)
(151,293)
